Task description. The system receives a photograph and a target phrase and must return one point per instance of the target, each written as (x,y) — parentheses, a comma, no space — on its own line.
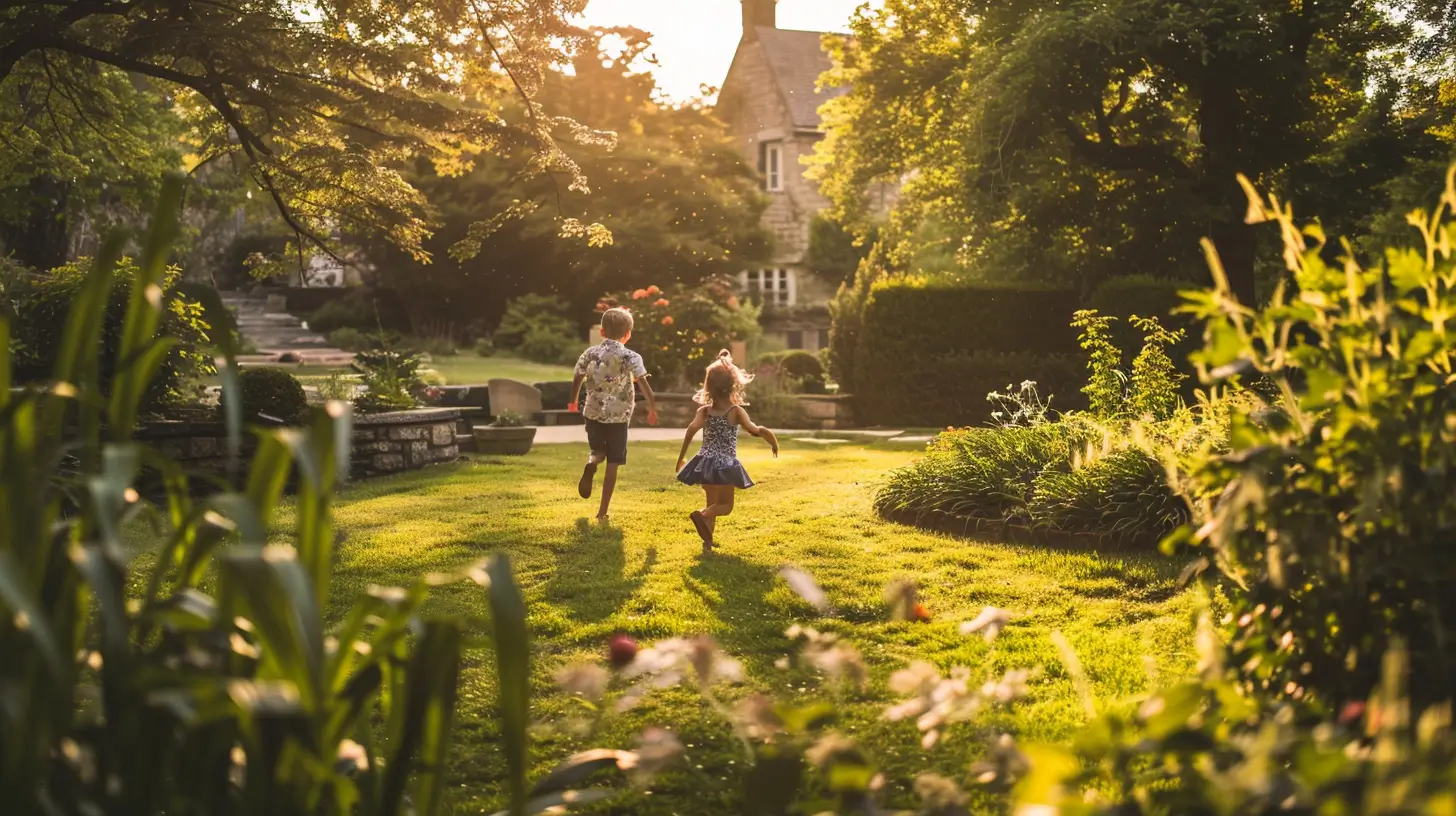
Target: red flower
(733,301)
(660,302)
(653,290)
(639,294)
(922,615)
(667,321)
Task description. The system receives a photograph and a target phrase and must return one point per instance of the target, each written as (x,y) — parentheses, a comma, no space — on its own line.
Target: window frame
(773,166)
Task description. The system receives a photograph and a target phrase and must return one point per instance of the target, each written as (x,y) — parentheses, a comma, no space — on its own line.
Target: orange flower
(639,294)
(733,301)
(660,302)
(922,615)
(653,290)
(667,321)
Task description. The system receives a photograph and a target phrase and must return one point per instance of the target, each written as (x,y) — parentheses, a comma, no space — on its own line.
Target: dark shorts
(608,438)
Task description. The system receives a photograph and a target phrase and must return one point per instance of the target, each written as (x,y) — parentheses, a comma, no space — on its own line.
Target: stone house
(770,101)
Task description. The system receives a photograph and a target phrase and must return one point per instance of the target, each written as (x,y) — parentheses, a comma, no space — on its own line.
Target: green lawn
(647,576)
(462,369)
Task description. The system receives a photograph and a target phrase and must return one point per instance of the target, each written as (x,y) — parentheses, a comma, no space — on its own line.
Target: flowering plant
(679,332)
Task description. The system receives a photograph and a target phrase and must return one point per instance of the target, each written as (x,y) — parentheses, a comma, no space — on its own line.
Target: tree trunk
(1236,245)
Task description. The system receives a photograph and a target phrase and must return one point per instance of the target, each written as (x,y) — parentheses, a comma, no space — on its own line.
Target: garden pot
(493,440)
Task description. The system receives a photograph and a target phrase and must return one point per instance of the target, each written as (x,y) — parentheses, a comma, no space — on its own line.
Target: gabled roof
(797,58)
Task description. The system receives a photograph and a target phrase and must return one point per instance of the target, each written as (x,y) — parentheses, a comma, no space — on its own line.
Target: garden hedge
(930,352)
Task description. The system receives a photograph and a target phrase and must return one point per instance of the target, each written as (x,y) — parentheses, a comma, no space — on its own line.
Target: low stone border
(999,531)
(819,411)
(382,443)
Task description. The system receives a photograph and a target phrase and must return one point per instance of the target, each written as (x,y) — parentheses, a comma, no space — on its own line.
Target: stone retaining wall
(383,443)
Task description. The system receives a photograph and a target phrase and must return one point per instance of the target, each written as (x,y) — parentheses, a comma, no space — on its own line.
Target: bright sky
(694,40)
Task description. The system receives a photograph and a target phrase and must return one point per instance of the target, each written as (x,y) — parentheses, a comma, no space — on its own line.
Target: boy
(609,371)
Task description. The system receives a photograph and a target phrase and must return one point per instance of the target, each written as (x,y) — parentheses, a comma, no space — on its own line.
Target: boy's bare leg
(609,483)
(584,486)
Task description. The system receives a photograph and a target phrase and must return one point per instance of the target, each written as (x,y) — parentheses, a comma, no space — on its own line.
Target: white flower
(352,758)
(585,680)
(938,793)
(804,585)
(670,662)
(657,748)
(990,623)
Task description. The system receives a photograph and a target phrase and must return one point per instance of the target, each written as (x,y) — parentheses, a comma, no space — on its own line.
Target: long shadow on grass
(750,628)
(591,578)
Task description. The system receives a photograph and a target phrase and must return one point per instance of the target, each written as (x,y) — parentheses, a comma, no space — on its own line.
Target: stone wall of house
(382,443)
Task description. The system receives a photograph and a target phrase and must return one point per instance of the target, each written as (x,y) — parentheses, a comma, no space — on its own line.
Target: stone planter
(495,440)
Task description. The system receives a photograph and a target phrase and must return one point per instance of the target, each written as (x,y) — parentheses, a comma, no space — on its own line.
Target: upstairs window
(771,287)
(771,165)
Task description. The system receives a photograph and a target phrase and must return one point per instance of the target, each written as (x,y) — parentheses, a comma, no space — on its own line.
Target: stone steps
(278,336)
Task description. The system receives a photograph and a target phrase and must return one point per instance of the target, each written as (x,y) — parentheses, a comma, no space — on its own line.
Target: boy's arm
(651,400)
(577,378)
(575,392)
(693,428)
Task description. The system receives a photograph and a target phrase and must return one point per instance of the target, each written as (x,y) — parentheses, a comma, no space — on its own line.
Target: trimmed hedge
(950,390)
(1147,297)
(929,353)
(270,395)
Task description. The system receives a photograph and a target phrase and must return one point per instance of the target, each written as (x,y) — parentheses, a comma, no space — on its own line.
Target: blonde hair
(723,381)
(616,323)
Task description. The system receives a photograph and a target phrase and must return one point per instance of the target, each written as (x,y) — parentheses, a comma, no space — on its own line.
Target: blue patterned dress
(717,461)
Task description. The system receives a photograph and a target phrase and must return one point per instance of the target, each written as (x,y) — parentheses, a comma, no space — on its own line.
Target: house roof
(797,58)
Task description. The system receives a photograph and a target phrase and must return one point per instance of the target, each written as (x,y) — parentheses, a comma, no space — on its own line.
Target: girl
(716,466)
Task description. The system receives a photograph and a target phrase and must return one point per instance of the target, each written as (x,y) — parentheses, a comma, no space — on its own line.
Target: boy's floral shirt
(609,370)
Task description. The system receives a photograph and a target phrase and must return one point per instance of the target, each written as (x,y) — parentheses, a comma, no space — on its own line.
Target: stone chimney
(758,13)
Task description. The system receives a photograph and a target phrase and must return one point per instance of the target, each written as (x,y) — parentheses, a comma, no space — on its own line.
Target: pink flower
(639,294)
(653,290)
(667,321)
(733,301)
(660,302)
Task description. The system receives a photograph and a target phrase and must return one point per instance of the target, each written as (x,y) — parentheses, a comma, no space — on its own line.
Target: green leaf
(277,597)
(431,684)
(513,670)
(17,602)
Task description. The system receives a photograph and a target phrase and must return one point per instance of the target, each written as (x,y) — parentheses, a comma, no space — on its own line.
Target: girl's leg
(721,497)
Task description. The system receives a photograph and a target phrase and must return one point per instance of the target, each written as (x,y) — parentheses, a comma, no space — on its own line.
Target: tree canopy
(317,104)
(1083,139)
(679,201)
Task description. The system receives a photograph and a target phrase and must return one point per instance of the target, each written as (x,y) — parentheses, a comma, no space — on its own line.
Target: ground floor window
(795,340)
(772,287)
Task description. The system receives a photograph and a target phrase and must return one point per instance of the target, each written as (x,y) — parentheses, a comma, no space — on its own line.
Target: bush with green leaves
(390,378)
(1330,516)
(351,339)
(270,396)
(538,328)
(38,305)
(680,331)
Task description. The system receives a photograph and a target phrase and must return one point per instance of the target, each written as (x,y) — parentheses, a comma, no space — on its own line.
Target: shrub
(542,316)
(679,332)
(434,346)
(485,347)
(1123,494)
(544,345)
(218,317)
(270,395)
(983,473)
(1143,296)
(772,403)
(359,309)
(952,389)
(350,339)
(913,330)
(39,304)
(390,378)
(1330,519)
(846,316)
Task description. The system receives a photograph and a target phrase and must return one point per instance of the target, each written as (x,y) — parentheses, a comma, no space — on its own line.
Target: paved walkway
(576,434)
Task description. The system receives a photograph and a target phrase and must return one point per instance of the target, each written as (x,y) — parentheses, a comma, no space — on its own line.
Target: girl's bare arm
(699,419)
(758,430)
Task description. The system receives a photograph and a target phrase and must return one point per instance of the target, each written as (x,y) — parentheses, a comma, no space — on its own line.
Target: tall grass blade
(513,669)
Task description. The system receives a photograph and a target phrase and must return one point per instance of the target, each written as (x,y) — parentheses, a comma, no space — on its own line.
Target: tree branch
(1126,158)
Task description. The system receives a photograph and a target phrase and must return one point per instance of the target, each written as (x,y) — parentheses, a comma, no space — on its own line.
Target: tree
(1086,139)
(316,103)
(679,201)
(80,140)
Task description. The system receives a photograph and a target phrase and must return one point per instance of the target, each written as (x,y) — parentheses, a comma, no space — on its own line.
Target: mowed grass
(646,575)
(465,368)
